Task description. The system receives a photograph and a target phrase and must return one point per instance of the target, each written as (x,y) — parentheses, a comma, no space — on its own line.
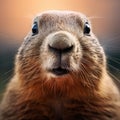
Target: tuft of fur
(86,92)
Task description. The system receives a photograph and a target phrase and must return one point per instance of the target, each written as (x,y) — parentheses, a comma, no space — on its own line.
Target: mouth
(59,71)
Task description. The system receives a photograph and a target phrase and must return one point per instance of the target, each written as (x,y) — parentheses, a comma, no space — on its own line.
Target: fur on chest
(61,110)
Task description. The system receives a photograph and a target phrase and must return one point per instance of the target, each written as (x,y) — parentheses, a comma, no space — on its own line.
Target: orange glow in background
(16,15)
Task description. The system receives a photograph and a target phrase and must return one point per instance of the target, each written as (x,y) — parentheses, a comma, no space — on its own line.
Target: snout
(61,42)
(61,45)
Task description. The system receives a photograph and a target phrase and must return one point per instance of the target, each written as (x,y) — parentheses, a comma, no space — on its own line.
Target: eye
(86,28)
(35,29)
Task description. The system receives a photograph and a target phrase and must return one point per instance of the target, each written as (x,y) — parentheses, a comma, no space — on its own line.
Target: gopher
(60,73)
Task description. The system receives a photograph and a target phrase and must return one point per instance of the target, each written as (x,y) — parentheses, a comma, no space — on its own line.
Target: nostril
(62,50)
(53,49)
(68,49)
(61,42)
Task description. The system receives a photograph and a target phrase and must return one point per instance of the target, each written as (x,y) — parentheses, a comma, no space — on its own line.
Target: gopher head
(61,48)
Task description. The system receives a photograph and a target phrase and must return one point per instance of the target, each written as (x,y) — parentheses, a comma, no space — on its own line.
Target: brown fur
(86,92)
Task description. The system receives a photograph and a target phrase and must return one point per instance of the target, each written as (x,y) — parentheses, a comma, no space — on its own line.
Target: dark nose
(61,42)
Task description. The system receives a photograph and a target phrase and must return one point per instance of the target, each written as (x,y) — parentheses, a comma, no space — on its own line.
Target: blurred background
(15,22)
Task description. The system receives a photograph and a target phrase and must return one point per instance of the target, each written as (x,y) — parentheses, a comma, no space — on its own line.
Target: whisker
(114,67)
(111,39)
(116,72)
(115,78)
(114,60)
(111,47)
(3,82)
(7,72)
(95,17)
(116,37)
